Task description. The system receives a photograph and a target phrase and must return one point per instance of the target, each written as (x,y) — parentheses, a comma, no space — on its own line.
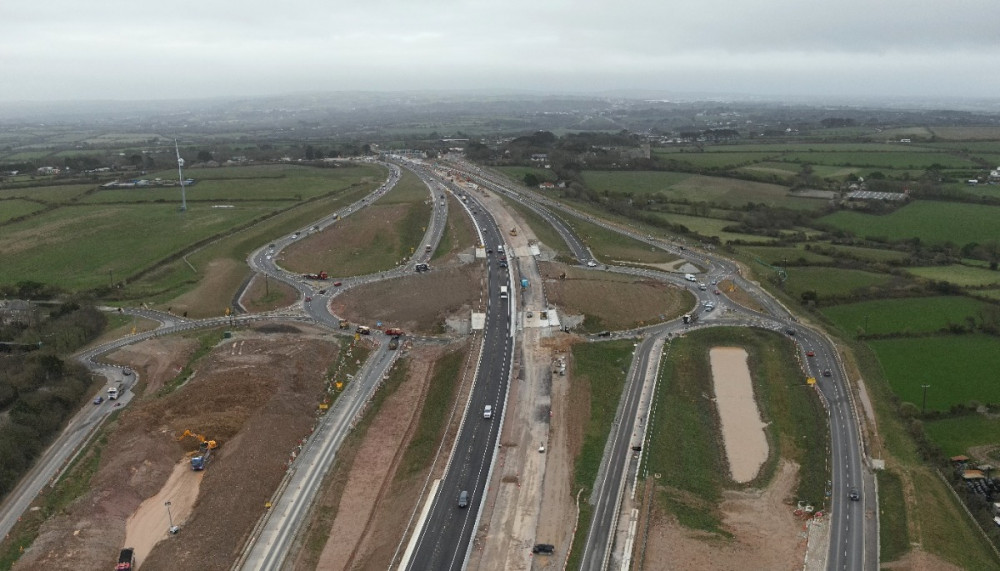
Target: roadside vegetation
(598,370)
(40,387)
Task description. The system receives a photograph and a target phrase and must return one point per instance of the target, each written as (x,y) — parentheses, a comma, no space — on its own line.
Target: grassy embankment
(598,370)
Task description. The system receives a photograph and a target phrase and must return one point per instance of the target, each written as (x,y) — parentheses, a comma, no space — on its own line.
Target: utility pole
(170,518)
(923,409)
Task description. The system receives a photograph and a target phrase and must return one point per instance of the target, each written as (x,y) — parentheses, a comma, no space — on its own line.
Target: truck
(690,318)
(690,277)
(394,343)
(114,391)
(200,460)
(503,292)
(524,282)
(205,446)
(319,276)
(393,331)
(126,560)
(363,330)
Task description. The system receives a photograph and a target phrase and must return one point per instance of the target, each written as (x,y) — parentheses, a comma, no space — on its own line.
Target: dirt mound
(157,360)
(270,329)
(919,560)
(766,535)
(418,303)
(257,396)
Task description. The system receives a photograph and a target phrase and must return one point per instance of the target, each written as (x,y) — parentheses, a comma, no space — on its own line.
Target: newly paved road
(445,539)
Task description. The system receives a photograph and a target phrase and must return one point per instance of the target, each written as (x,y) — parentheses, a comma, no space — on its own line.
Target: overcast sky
(137,49)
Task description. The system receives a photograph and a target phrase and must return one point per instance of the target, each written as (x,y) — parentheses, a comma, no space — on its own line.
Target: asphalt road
(445,539)
(850,546)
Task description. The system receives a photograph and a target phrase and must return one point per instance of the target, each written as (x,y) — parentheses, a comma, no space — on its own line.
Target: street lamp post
(170,518)
(923,409)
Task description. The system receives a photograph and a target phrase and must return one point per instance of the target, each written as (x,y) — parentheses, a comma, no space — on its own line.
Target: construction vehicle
(126,560)
(513,231)
(114,390)
(345,324)
(200,458)
(690,318)
(319,276)
(363,330)
(394,343)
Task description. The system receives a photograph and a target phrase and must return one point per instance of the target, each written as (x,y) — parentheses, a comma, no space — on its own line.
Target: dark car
(321,292)
(810,353)
(338,284)
(308,298)
(543,548)
(854,495)
(827,373)
(790,331)
(99,400)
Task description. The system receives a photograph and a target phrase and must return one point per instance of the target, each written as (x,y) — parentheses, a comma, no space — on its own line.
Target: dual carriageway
(443,540)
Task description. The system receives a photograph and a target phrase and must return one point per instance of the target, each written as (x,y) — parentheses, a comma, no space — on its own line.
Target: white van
(690,277)
(503,292)
(488,411)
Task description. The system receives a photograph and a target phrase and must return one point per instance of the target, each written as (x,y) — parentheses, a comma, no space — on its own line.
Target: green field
(781,255)
(958,368)
(265,182)
(728,160)
(932,222)
(960,275)
(870,254)
(613,247)
(827,282)
(957,435)
(919,160)
(14,208)
(88,246)
(908,315)
(49,194)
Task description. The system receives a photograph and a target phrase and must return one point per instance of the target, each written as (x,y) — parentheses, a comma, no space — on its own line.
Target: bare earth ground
(738,295)
(919,560)
(418,303)
(156,360)
(617,301)
(375,465)
(265,294)
(255,393)
(365,531)
(150,523)
(766,534)
(742,429)
(214,292)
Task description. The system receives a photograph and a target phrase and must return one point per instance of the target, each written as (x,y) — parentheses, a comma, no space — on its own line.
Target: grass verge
(599,369)
(433,416)
(894,537)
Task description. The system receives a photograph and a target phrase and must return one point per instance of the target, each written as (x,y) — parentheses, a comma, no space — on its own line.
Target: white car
(591,264)
(488,411)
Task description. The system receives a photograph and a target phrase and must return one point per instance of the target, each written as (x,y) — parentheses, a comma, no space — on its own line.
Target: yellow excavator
(199,459)
(212,445)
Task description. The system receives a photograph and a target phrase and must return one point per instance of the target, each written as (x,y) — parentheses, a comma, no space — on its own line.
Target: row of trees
(41,388)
